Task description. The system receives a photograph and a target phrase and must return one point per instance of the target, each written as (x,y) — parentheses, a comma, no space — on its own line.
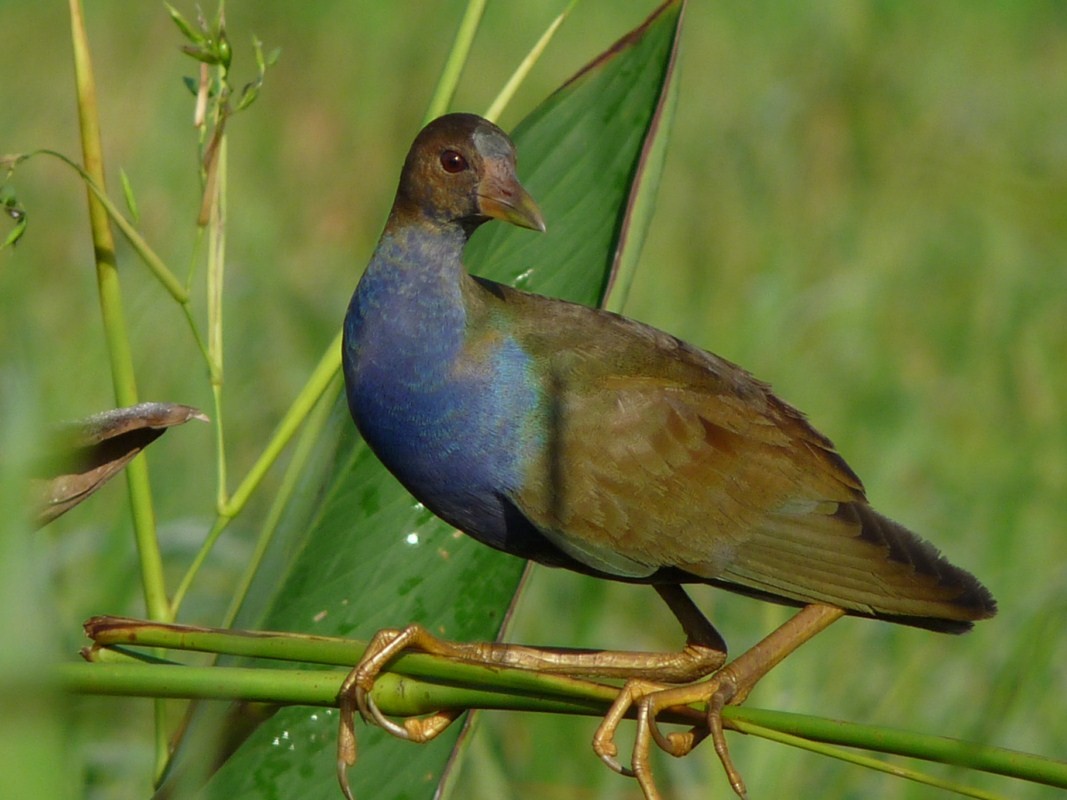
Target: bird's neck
(407,318)
(414,281)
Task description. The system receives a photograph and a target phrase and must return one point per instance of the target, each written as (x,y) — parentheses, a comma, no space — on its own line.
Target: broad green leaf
(356,552)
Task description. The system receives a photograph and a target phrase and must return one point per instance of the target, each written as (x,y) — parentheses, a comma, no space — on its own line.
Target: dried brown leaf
(84,455)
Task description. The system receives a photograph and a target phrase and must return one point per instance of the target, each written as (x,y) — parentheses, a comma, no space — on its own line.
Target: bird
(582,439)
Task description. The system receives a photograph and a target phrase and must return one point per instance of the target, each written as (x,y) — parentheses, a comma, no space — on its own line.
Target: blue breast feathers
(450,411)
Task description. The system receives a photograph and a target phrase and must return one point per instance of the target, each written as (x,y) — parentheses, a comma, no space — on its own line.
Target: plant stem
(496,108)
(1025,766)
(448,684)
(861,760)
(122,370)
(216,266)
(294,471)
(121,358)
(306,687)
(316,387)
(457,59)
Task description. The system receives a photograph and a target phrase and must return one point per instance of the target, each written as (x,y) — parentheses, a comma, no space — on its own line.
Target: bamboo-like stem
(111,309)
(419,684)
(124,380)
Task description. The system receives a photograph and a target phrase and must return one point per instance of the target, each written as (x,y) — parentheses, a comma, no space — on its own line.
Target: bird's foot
(650,699)
(729,686)
(355,693)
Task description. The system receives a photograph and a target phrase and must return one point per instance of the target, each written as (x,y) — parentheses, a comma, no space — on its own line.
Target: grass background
(864,203)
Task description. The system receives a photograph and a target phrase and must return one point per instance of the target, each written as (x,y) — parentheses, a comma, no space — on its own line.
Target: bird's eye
(453,162)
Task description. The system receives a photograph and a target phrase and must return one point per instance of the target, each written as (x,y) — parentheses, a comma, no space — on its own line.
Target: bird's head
(461,169)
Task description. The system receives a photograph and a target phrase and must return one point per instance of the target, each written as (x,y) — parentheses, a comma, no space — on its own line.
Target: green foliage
(863,203)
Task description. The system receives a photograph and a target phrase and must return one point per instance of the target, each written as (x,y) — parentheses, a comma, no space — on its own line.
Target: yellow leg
(704,652)
(646,674)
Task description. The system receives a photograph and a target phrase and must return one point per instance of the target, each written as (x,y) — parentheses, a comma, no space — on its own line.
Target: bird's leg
(701,636)
(729,686)
(704,652)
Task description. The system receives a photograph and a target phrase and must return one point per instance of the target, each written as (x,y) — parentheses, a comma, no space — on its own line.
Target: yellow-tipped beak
(503,197)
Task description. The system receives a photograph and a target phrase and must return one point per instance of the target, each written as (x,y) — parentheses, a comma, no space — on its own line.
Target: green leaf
(188,31)
(9,206)
(356,552)
(19,216)
(206,54)
(127,193)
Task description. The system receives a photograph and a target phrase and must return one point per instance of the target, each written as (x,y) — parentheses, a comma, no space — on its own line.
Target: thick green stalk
(534,686)
(442,683)
(316,688)
(915,745)
(393,694)
(122,371)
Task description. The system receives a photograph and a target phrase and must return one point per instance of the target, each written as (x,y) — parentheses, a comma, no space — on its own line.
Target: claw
(716,703)
(370,711)
(346,746)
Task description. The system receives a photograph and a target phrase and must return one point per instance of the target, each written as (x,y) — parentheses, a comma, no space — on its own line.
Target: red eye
(453,162)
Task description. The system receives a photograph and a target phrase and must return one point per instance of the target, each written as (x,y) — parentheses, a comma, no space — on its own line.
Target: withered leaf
(82,456)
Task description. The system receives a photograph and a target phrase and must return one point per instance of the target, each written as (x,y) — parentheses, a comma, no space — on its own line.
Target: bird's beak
(501,196)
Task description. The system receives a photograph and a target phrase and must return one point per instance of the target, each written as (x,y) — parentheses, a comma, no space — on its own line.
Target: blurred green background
(865,203)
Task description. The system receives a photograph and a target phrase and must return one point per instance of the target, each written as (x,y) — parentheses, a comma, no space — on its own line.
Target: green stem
(294,472)
(123,377)
(450,684)
(111,309)
(862,761)
(328,367)
(907,743)
(319,382)
(457,59)
(315,688)
(496,108)
(216,264)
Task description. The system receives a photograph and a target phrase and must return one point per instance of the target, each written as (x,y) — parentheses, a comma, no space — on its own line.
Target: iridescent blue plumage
(448,408)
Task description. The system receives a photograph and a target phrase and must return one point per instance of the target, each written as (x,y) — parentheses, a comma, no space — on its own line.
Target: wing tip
(967,600)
